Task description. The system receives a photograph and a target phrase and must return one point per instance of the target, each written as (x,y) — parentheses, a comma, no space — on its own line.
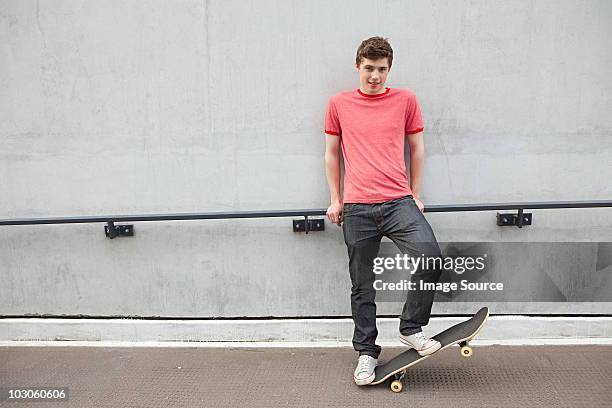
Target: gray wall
(122,107)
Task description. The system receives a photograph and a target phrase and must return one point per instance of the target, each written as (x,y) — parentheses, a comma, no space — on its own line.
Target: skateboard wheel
(466,351)
(396,386)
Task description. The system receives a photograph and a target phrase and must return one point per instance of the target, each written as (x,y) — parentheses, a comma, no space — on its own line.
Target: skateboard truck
(519,219)
(307,224)
(111,230)
(397,384)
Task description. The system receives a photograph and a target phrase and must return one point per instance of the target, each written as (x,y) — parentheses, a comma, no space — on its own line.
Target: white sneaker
(364,373)
(423,345)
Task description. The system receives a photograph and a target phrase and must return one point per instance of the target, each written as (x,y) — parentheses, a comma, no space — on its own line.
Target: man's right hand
(334,213)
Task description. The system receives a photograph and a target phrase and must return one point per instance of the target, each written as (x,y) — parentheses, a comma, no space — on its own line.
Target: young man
(371,124)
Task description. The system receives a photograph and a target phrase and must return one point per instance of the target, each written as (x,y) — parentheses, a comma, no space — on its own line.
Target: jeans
(364,225)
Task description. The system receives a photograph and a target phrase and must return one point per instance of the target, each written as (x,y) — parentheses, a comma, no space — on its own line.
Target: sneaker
(364,373)
(421,344)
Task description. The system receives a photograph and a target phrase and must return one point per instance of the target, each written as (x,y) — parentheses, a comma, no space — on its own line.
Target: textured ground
(496,376)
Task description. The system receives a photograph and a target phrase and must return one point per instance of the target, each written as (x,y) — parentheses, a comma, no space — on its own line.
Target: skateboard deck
(460,333)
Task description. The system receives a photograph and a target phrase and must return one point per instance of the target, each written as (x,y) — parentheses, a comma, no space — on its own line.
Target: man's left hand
(419,204)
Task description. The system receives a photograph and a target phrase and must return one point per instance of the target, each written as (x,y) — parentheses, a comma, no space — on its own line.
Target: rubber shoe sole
(425,352)
(365,381)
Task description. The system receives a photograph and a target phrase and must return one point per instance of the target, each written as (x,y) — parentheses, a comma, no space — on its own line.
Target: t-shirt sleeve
(414,121)
(332,123)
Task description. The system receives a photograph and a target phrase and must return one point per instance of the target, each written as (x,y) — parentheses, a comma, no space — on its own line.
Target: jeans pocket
(348,209)
(402,200)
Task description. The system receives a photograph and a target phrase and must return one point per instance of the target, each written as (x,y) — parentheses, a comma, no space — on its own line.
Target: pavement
(495,376)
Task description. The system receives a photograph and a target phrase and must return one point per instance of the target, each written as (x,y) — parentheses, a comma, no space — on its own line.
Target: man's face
(373,75)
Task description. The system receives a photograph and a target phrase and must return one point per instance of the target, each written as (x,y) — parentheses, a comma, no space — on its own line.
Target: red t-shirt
(373,130)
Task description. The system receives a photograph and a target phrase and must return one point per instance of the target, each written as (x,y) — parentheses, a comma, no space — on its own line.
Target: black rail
(298,213)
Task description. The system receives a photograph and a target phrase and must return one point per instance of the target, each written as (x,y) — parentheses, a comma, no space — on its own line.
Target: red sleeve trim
(412,132)
(331,132)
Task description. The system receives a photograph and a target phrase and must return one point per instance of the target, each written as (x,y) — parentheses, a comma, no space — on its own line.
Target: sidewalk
(495,376)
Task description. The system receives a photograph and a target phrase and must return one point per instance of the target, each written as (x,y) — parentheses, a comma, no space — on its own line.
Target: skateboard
(460,333)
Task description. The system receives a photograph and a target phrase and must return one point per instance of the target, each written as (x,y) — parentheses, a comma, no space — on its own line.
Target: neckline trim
(373,96)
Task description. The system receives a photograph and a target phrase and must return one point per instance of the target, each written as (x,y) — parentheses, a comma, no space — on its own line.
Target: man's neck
(382,91)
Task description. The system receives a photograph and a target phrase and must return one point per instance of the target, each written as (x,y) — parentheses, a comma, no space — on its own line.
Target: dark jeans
(364,226)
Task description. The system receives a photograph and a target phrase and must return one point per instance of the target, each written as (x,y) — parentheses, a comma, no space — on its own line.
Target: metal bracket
(111,230)
(307,224)
(520,219)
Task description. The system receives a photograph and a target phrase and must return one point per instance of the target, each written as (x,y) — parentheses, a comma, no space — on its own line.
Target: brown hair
(374,48)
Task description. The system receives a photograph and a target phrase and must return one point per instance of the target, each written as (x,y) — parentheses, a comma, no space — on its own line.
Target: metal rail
(297,213)
(306,225)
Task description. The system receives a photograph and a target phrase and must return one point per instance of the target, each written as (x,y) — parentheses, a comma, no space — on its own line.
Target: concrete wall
(128,107)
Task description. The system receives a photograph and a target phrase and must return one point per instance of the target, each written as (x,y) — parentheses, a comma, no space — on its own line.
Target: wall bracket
(111,230)
(519,219)
(309,224)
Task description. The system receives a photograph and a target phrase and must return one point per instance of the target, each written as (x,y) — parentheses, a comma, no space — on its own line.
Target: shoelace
(420,337)
(365,364)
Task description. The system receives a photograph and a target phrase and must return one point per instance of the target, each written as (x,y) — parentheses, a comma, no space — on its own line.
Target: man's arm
(332,171)
(417,160)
